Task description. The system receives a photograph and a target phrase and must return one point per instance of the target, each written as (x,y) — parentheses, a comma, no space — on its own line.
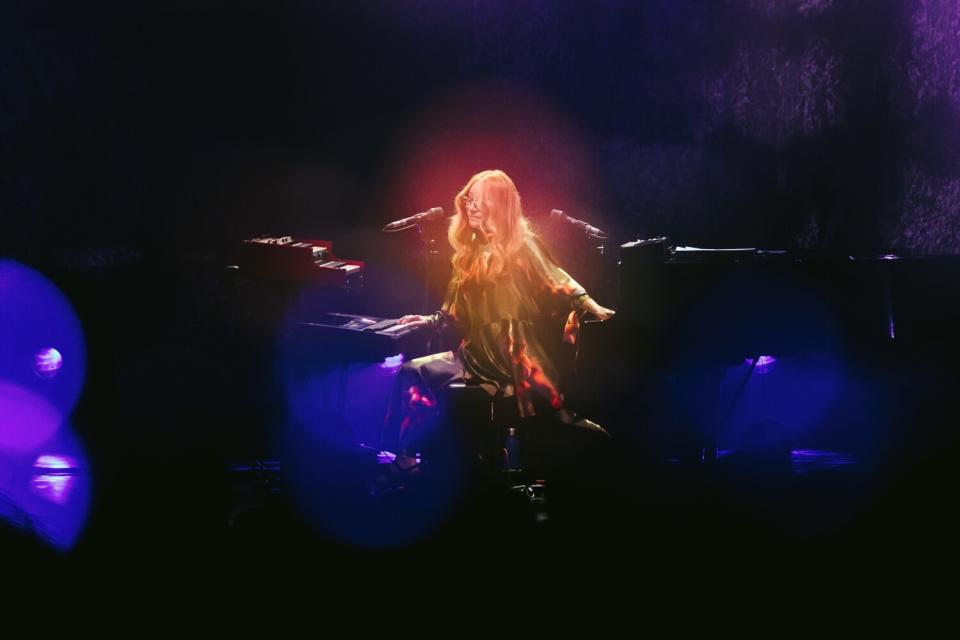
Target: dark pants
(414,406)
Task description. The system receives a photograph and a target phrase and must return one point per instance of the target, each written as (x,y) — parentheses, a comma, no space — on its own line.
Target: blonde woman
(504,287)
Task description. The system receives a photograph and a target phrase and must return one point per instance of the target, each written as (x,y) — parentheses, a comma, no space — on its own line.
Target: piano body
(303,260)
(730,304)
(688,316)
(297,310)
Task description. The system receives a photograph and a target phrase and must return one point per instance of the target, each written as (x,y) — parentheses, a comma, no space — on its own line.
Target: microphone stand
(427,253)
(430,252)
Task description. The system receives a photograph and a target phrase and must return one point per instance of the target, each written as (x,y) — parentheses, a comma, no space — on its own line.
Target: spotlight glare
(50,462)
(392,362)
(764,364)
(27,420)
(54,488)
(47,362)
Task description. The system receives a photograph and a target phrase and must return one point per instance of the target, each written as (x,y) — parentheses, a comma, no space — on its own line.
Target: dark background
(181,127)
(141,142)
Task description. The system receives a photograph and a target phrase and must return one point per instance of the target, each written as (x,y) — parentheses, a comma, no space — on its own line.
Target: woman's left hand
(601,312)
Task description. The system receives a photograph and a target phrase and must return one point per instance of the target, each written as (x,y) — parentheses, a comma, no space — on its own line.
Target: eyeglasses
(470,203)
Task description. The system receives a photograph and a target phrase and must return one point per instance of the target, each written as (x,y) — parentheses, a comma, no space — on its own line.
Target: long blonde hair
(504,225)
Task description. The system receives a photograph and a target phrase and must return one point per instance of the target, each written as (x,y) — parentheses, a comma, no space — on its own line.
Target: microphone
(556,214)
(423,216)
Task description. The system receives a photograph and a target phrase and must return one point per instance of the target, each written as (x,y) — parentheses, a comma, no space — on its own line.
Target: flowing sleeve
(552,277)
(447,316)
(560,284)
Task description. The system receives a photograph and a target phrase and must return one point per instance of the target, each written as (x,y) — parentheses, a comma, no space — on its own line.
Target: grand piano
(687,316)
(730,304)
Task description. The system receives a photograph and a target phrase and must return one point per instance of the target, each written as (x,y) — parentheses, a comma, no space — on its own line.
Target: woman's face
(474,207)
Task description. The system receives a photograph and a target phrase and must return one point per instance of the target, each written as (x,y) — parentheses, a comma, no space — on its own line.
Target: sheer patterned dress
(511,326)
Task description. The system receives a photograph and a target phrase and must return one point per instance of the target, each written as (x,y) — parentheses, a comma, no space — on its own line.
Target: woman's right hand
(416,321)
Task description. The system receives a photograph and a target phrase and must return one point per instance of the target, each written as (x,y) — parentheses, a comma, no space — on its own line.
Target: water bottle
(511,451)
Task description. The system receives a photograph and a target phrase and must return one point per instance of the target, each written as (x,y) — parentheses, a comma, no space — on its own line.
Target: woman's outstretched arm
(561,283)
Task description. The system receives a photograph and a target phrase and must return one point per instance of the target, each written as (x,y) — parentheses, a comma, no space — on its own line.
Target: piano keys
(348,337)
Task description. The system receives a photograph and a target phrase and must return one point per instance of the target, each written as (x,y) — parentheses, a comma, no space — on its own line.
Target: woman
(503,288)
